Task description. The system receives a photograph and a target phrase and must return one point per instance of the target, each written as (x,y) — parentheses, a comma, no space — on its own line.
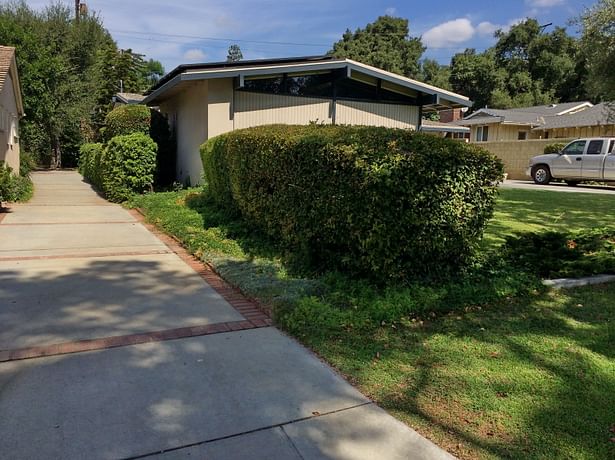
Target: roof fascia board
(158,91)
(16,87)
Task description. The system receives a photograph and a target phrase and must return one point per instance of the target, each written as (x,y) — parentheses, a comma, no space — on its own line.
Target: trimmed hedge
(90,156)
(14,187)
(554,148)
(127,119)
(386,203)
(128,164)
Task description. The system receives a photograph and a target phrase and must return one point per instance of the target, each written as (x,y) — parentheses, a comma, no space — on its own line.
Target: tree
(598,48)
(435,74)
(234,53)
(477,76)
(384,43)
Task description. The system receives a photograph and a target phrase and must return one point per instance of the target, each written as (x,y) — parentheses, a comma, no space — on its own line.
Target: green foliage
(554,148)
(598,48)
(563,254)
(12,186)
(127,119)
(526,67)
(128,165)
(435,74)
(385,43)
(90,157)
(390,204)
(234,53)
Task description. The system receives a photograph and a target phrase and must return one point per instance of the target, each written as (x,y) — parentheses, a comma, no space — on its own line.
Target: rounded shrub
(90,156)
(127,119)
(387,203)
(12,186)
(128,165)
(554,148)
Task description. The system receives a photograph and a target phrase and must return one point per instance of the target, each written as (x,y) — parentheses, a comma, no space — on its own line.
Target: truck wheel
(541,174)
(572,183)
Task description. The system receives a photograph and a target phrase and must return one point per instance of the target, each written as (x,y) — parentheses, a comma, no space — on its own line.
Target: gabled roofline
(244,69)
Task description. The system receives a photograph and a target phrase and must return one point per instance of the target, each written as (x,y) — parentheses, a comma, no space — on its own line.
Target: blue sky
(182,31)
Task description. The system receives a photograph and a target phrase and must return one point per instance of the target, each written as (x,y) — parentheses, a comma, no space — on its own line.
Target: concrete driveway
(559,187)
(115,344)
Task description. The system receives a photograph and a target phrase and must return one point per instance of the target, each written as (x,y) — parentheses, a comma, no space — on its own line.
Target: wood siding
(374,114)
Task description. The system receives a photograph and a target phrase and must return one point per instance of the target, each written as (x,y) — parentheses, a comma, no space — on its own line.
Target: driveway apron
(114,344)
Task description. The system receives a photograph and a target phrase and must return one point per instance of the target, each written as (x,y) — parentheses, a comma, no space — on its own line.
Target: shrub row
(125,166)
(12,186)
(387,203)
(127,119)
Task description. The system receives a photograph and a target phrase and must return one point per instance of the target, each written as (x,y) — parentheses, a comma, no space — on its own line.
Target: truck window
(611,146)
(595,147)
(574,148)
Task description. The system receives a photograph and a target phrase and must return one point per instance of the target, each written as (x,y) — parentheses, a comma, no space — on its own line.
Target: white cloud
(487,29)
(194,55)
(544,3)
(449,33)
(390,11)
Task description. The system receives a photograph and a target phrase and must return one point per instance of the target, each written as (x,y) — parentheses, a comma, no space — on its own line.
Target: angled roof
(8,66)
(434,97)
(597,115)
(536,116)
(439,127)
(130,98)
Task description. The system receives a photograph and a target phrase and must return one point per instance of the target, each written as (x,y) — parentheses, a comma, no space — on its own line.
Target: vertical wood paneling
(374,114)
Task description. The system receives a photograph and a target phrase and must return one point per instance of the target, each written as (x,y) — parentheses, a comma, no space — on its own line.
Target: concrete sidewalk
(176,367)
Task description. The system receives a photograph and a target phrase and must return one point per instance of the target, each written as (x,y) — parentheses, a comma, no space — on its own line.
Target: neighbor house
(539,122)
(204,100)
(127,99)
(11,108)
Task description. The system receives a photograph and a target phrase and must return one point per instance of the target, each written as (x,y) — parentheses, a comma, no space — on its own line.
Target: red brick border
(29,224)
(132,339)
(235,297)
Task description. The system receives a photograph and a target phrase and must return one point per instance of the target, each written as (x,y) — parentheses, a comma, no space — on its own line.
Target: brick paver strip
(125,340)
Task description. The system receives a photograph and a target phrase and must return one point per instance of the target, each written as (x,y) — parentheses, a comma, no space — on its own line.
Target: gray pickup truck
(591,159)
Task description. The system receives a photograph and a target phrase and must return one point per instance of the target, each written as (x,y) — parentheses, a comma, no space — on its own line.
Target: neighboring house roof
(540,117)
(8,66)
(430,96)
(129,98)
(439,127)
(597,115)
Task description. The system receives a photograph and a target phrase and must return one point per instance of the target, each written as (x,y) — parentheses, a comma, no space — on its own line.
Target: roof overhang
(431,97)
(16,87)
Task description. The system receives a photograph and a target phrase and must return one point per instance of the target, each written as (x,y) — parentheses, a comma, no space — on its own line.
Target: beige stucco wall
(501,132)
(516,154)
(188,109)
(9,126)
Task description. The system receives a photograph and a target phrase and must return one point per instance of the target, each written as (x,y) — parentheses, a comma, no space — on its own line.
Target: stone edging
(567,283)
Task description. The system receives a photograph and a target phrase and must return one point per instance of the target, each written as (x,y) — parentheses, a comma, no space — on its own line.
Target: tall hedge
(127,119)
(128,165)
(387,203)
(90,156)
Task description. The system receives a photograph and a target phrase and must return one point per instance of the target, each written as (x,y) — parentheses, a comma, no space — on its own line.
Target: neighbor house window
(482,133)
(522,135)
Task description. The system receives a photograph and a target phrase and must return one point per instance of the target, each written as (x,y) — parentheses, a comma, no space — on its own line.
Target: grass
(487,367)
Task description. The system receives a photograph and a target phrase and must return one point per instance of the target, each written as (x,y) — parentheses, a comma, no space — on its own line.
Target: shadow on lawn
(548,391)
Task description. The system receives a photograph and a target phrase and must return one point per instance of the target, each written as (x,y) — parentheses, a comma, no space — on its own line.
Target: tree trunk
(56,153)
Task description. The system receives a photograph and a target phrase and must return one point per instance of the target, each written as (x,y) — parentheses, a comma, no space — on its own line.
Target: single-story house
(127,99)
(204,100)
(11,108)
(539,122)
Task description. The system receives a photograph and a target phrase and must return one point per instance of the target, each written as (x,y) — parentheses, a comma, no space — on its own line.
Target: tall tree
(234,53)
(598,48)
(385,43)
(435,74)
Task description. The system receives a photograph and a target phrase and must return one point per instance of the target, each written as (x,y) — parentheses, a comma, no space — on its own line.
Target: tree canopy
(385,43)
(234,53)
(69,71)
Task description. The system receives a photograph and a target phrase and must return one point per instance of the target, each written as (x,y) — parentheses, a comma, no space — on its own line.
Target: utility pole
(77,8)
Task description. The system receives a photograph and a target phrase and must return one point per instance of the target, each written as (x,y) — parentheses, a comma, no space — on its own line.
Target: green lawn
(487,368)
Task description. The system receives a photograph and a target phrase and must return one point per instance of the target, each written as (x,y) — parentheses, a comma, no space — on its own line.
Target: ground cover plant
(513,371)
